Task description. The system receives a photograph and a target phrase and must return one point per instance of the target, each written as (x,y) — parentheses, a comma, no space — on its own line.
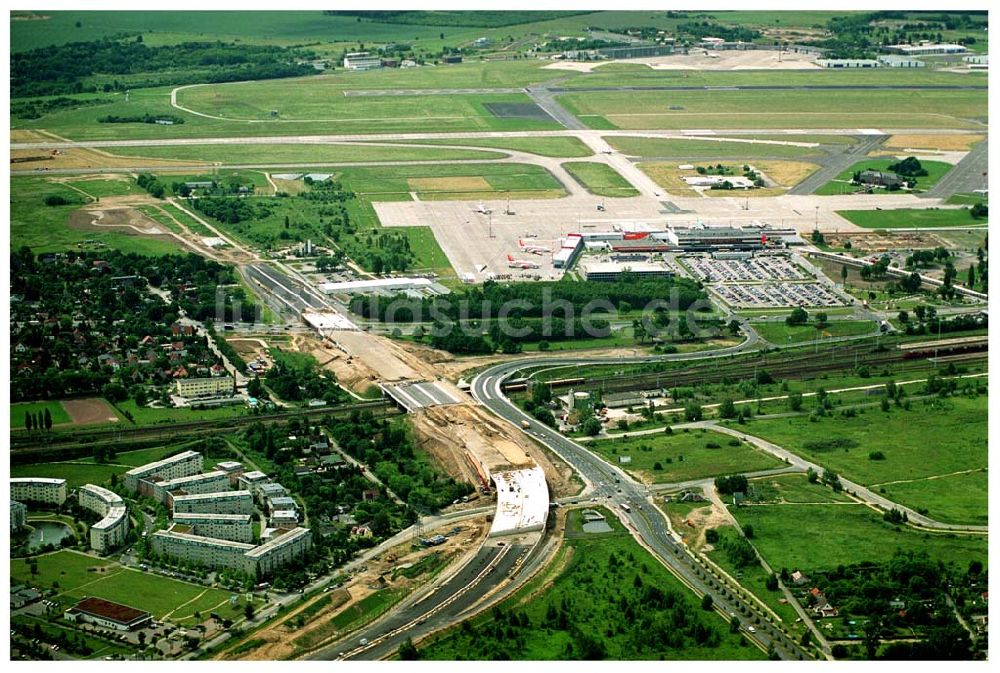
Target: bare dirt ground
(79,157)
(874,241)
(90,411)
(351,372)
(381,356)
(942,143)
(699,59)
(280,637)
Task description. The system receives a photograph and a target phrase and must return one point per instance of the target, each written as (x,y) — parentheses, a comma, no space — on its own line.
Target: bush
(876,455)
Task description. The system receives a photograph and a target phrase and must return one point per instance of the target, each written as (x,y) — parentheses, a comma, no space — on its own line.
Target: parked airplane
(533,249)
(481,208)
(521,263)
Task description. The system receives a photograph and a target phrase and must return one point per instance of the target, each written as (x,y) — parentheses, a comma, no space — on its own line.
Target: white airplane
(520,263)
(481,208)
(533,249)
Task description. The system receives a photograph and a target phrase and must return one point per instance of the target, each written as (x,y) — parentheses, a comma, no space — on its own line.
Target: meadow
(697,148)
(683,455)
(577,610)
(780,333)
(19,411)
(841,183)
(292,154)
(76,473)
(600,179)
(435,181)
(936,437)
(763,109)
(911,218)
(812,537)
(149,416)
(565,147)
(161,596)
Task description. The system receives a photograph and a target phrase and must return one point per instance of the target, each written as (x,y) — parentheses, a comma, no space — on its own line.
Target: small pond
(47,532)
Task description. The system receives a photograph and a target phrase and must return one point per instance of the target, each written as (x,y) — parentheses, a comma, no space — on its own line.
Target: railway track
(23,444)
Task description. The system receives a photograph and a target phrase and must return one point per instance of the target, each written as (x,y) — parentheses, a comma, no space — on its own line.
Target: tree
(843,274)
(821,319)
(748,531)
(971,279)
(733,327)
(142,639)
(795,402)
(772,582)
(707,602)
(806,638)
(248,611)
(734,624)
(798,316)
(812,476)
(904,317)
(408,651)
(48,419)
(727,409)
(693,412)
(27,421)
(591,427)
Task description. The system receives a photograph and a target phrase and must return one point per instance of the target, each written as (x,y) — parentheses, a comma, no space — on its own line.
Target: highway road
(611,485)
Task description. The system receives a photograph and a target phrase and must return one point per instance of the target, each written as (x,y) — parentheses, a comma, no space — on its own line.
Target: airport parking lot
(760,268)
(777,295)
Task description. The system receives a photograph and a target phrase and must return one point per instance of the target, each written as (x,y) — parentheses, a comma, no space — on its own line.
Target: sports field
(763,109)
(76,576)
(912,218)
(683,455)
(841,183)
(600,179)
(936,438)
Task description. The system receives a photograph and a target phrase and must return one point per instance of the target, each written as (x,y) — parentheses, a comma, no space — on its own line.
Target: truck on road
(626,507)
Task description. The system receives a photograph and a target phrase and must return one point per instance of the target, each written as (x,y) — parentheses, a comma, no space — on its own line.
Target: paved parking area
(760,268)
(773,295)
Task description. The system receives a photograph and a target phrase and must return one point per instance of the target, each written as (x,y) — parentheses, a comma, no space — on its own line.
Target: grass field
(106,187)
(428,255)
(938,495)
(598,578)
(841,183)
(162,596)
(936,437)
(697,148)
(762,109)
(813,537)
(600,179)
(683,455)
(795,488)
(147,416)
(395,181)
(76,473)
(18,412)
(46,229)
(911,218)
(555,146)
(311,153)
(780,333)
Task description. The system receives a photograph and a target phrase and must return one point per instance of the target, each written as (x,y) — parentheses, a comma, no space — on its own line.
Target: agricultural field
(576,611)
(600,179)
(780,333)
(935,438)
(78,576)
(912,218)
(683,455)
(700,148)
(841,183)
(799,109)
(291,154)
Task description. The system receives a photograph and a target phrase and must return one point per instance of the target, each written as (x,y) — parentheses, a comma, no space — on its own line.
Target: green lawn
(764,109)
(699,148)
(75,473)
(780,333)
(428,255)
(522,180)
(935,437)
(555,146)
(18,412)
(600,179)
(108,187)
(683,455)
(587,605)
(813,537)
(159,595)
(795,488)
(912,218)
(302,153)
(939,496)
(841,183)
(46,228)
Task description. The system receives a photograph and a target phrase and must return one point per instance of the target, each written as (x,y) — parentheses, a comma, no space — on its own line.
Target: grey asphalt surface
(546,99)
(837,164)
(967,175)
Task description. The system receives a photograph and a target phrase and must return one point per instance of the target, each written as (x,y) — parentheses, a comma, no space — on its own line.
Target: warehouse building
(361,60)
(182,465)
(891,61)
(610,272)
(213,386)
(280,550)
(847,63)
(38,489)
(409,285)
(232,527)
(570,248)
(18,515)
(209,482)
(223,502)
(110,532)
(107,614)
(925,48)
